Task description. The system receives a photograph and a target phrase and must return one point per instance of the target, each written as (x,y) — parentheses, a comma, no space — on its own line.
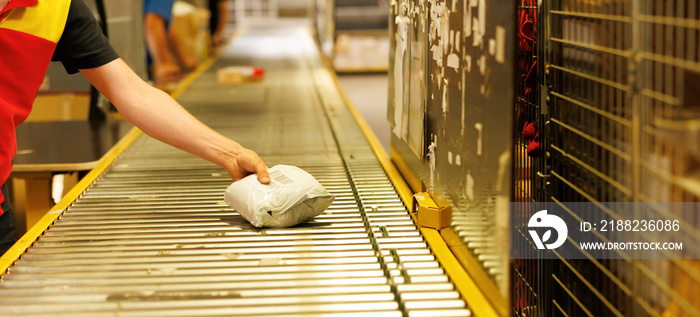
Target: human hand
(248,162)
(215,40)
(190,63)
(166,73)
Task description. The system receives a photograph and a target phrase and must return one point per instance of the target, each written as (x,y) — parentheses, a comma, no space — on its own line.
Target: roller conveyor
(153,237)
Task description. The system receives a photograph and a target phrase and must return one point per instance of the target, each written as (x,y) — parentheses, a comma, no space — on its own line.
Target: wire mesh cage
(621,79)
(530,172)
(668,64)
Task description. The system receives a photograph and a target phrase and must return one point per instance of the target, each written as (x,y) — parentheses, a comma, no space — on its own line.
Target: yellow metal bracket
(428,214)
(471,281)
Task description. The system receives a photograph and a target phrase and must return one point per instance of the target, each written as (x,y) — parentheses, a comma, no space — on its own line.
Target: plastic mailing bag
(292,197)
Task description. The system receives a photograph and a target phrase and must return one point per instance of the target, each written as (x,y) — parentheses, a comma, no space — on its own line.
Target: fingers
(264,177)
(249,162)
(261,169)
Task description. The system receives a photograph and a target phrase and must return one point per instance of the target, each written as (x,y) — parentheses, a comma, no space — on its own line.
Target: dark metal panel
(450,103)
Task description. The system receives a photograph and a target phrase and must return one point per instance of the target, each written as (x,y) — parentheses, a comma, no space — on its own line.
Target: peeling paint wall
(451,96)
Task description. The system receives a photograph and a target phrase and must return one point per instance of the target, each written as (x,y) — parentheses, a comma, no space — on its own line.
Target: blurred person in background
(166,59)
(217,21)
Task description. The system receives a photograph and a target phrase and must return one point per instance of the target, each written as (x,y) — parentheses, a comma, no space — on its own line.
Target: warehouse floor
(368,92)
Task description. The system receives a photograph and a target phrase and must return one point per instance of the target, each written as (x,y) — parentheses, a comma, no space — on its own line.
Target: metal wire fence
(620,85)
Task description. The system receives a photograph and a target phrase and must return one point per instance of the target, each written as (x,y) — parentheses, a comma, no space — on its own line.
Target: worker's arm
(160,116)
(164,68)
(217,37)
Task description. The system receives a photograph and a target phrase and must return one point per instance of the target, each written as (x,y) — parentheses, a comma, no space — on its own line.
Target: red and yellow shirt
(32,34)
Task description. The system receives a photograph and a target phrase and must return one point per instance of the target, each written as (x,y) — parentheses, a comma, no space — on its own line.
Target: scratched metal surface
(452,84)
(152,236)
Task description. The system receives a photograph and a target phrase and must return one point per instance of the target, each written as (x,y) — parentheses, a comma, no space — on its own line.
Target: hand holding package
(292,197)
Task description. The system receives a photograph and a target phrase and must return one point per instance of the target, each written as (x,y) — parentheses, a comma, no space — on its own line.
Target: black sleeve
(82,44)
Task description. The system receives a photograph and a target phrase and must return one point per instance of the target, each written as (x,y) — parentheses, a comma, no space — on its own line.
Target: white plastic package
(292,197)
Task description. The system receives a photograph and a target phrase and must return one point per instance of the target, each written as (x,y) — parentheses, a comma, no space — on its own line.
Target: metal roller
(152,236)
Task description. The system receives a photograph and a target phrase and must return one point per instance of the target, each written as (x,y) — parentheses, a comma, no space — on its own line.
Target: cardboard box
(239,74)
(60,107)
(190,26)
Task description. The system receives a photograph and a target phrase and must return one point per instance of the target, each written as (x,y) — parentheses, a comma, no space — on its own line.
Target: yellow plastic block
(428,214)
